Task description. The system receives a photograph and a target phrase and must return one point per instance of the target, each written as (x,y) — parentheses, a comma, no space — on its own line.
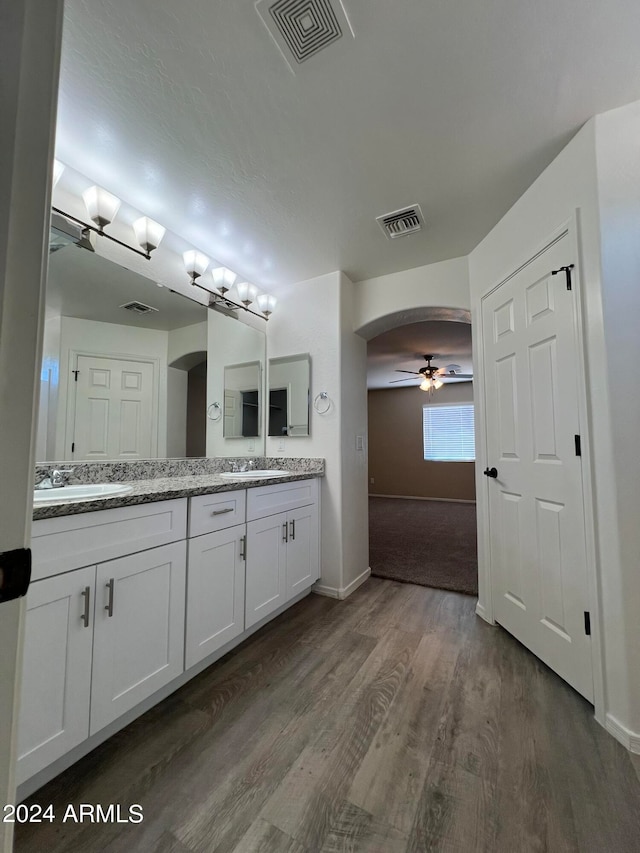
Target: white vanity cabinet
(282,546)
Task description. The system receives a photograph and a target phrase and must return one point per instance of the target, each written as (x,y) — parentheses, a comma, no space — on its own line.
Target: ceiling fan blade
(415,372)
(455,375)
(408,379)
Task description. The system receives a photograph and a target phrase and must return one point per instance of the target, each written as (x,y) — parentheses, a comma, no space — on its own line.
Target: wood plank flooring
(393,722)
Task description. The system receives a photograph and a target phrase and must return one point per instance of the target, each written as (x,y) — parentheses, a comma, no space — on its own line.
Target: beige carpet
(430,543)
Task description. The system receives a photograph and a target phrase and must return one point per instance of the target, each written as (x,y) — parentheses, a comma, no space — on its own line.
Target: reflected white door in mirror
(289,389)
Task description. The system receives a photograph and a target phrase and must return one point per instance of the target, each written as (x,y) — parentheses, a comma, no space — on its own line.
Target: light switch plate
(281,445)
(359,442)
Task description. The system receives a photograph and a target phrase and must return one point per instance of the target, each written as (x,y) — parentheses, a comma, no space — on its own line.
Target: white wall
(618,177)
(308,320)
(177,386)
(89,337)
(49,389)
(186,340)
(443,284)
(570,183)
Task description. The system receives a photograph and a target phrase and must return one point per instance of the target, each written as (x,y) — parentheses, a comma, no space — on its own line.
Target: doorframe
(570,228)
(70,417)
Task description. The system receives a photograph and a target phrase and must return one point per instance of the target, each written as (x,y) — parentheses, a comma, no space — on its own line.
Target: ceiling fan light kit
(432,376)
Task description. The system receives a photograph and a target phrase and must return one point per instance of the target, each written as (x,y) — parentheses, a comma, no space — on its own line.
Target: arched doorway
(421,455)
(187,405)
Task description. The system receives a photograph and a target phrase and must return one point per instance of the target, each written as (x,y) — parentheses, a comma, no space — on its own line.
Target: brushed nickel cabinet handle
(86,594)
(222,511)
(243,547)
(293,529)
(109,605)
(285,532)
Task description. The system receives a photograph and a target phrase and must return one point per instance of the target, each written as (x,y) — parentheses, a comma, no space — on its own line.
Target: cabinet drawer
(72,541)
(210,513)
(280,497)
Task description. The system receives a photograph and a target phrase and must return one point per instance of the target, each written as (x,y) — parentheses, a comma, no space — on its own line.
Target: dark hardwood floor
(393,722)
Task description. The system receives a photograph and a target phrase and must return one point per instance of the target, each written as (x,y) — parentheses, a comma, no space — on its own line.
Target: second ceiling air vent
(138,307)
(302,28)
(401,222)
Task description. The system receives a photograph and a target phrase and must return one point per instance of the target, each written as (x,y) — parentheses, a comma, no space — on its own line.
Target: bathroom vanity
(129,602)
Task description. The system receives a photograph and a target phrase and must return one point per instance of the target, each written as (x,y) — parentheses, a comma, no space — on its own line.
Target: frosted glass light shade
(437,383)
(267,303)
(425,385)
(195,263)
(101,205)
(58,169)
(148,233)
(223,279)
(246,292)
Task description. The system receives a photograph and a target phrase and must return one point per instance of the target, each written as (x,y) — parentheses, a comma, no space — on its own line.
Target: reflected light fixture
(195,264)
(267,303)
(223,279)
(246,292)
(148,233)
(58,169)
(101,206)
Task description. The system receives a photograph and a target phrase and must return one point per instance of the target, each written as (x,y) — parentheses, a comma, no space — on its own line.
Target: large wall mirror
(289,388)
(126,364)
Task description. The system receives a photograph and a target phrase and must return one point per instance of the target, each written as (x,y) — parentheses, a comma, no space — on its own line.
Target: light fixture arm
(101,233)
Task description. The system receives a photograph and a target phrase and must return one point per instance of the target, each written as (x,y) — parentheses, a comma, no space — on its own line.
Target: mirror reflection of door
(242,400)
(113,409)
(278,411)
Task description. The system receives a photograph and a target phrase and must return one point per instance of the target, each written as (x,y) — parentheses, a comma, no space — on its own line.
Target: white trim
(630,740)
(342,592)
(422,498)
(482,613)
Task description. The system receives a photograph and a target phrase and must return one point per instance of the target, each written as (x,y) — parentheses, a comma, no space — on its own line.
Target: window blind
(448,433)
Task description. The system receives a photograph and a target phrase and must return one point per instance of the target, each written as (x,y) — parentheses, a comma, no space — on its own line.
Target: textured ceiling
(189,112)
(404,348)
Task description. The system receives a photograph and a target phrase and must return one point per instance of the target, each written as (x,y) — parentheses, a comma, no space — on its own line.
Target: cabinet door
(266,584)
(56,676)
(215,592)
(302,549)
(139,629)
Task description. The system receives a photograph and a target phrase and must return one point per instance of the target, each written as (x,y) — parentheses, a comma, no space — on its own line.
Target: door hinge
(567,271)
(15,573)
(587,623)
(578,444)
(75,375)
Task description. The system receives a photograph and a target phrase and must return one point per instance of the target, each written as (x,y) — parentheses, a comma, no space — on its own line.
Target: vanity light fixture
(148,233)
(58,169)
(246,293)
(195,264)
(223,279)
(267,303)
(101,206)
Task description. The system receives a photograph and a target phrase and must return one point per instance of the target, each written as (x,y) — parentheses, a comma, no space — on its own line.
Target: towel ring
(217,411)
(322,403)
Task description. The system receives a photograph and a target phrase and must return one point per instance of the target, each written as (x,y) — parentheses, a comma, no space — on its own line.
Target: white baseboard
(482,613)
(342,592)
(421,498)
(630,740)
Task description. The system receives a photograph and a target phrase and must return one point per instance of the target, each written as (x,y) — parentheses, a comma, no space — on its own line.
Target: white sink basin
(254,475)
(86,492)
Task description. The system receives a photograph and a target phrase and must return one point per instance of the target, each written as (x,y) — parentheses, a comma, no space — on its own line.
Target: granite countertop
(163,489)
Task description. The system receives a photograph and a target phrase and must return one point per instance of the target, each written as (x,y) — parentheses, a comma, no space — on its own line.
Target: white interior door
(113,409)
(536,506)
(30,39)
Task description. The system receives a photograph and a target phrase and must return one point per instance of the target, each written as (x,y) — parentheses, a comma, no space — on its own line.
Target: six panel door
(536,508)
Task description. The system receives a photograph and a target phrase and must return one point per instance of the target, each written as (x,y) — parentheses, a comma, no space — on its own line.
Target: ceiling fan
(433,377)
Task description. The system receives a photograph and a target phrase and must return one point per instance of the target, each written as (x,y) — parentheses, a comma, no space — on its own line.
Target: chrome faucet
(55,479)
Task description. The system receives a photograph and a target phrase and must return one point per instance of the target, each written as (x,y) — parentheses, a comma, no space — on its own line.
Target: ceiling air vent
(401,222)
(138,307)
(302,28)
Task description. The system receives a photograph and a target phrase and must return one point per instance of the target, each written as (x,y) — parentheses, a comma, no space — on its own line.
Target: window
(448,433)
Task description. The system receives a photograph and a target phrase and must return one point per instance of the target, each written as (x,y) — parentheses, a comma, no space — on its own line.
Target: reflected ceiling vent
(401,222)
(138,307)
(302,28)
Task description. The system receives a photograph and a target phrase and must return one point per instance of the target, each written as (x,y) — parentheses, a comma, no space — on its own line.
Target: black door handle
(490,472)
